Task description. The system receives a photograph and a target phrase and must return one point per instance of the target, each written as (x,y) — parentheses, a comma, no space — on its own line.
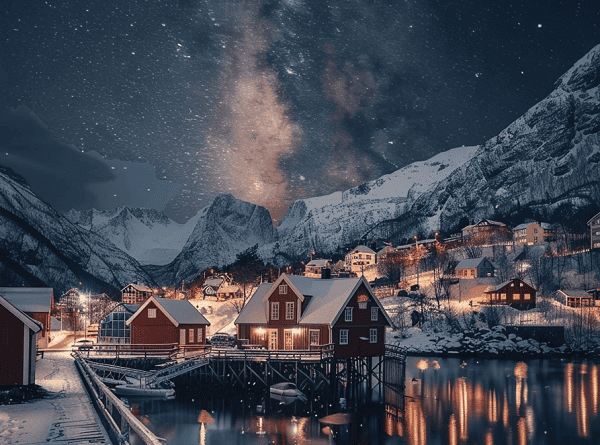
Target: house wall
(360,327)
(259,335)
(594,224)
(511,295)
(161,330)
(44,318)
(11,349)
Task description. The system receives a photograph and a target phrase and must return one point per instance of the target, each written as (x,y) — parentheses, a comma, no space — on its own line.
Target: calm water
(447,401)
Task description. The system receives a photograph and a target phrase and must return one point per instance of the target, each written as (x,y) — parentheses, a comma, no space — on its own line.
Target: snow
(220,314)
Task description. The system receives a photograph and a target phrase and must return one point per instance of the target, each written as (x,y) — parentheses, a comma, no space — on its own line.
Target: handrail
(100,389)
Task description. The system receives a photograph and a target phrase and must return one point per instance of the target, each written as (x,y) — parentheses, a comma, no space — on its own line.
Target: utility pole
(417,260)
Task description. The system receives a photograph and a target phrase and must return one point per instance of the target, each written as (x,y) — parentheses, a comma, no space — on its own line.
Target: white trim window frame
(190,336)
(274,310)
(314,337)
(199,333)
(152,313)
(289,310)
(344,336)
(374,314)
(373,335)
(348,314)
(283,289)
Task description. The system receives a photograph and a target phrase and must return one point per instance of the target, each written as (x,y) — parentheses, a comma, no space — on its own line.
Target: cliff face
(40,247)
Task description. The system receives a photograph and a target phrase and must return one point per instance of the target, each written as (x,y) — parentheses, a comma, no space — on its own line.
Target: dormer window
(283,289)
(348,314)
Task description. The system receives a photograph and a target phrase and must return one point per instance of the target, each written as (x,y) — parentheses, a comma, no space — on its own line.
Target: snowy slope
(147,235)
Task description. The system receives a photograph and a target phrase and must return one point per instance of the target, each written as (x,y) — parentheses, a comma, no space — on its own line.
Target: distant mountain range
(546,163)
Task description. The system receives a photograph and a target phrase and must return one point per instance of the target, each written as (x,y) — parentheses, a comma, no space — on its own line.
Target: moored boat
(286,392)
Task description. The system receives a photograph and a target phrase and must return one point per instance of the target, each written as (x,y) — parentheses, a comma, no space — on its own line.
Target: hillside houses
(136,293)
(359,259)
(533,233)
(471,268)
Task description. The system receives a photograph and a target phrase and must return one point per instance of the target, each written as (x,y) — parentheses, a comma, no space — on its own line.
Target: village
(490,291)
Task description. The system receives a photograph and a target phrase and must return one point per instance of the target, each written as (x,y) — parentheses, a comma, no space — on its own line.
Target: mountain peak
(584,75)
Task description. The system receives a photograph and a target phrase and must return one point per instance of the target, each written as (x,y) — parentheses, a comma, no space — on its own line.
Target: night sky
(164,104)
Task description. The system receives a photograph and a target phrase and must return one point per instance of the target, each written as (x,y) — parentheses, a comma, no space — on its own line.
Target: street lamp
(417,260)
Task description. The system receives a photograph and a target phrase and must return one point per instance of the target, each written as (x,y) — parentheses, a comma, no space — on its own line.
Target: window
(151,313)
(526,296)
(372,335)
(289,310)
(516,296)
(274,311)
(374,313)
(343,336)
(283,289)
(348,314)
(314,337)
(521,284)
(503,296)
(199,335)
(190,336)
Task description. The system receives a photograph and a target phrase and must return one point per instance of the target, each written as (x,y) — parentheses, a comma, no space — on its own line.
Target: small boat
(144,391)
(112,382)
(286,392)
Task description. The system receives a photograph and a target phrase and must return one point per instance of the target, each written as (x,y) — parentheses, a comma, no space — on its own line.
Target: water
(447,401)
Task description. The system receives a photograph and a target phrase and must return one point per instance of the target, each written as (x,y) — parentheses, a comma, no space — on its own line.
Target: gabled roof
(29,299)
(497,287)
(24,318)
(214,281)
(471,263)
(138,287)
(328,299)
(178,311)
(579,293)
(318,263)
(597,215)
(362,249)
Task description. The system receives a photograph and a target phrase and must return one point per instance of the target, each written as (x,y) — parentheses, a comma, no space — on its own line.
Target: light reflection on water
(447,401)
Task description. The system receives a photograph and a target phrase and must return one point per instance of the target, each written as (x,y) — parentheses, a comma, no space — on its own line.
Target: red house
(515,293)
(36,302)
(18,333)
(299,313)
(166,321)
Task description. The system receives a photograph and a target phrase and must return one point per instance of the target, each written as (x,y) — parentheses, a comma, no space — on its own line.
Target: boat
(144,391)
(286,392)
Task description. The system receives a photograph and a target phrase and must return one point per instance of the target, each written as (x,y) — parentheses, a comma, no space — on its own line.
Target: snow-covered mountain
(40,247)
(547,159)
(225,228)
(147,235)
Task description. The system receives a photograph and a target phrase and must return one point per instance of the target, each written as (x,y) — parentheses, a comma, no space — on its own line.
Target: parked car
(402,293)
(222,340)
(84,345)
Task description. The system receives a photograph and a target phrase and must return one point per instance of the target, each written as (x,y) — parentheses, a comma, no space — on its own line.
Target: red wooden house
(515,293)
(300,313)
(166,321)
(18,350)
(37,302)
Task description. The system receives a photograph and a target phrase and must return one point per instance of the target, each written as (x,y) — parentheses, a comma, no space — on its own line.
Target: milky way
(275,100)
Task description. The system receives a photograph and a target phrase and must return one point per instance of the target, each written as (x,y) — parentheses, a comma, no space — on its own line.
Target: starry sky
(165,103)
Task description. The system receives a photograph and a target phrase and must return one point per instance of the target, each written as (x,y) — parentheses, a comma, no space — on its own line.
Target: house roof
(597,215)
(470,263)
(328,299)
(214,282)
(138,287)
(24,318)
(178,311)
(579,293)
(497,287)
(232,289)
(362,249)
(318,263)
(29,299)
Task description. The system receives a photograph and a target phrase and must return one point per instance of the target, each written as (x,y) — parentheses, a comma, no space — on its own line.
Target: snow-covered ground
(221,314)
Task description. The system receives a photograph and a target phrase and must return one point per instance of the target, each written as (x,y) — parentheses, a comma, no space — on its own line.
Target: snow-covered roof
(328,299)
(214,282)
(29,299)
(579,293)
(229,289)
(24,318)
(178,311)
(362,249)
(318,263)
(470,263)
(138,287)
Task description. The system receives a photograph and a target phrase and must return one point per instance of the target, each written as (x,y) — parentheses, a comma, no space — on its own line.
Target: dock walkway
(67,418)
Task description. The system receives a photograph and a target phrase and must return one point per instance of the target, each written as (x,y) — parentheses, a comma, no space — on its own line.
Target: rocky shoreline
(492,343)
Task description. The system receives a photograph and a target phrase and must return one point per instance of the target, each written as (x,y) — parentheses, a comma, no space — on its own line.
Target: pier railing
(117,416)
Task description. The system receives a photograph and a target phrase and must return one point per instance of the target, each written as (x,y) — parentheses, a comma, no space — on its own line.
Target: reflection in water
(471,399)
(490,402)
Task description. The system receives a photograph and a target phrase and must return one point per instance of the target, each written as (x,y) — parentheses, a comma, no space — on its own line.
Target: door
(273,344)
(288,340)
(182,336)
